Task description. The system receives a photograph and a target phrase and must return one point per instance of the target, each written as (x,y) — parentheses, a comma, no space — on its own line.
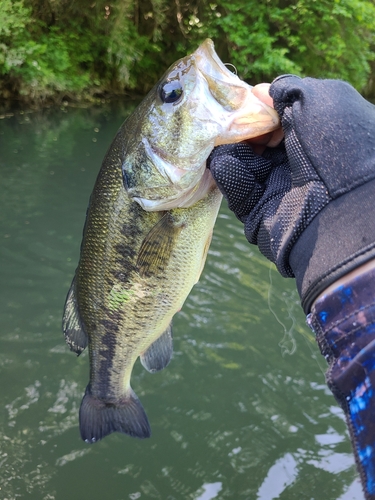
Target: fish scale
(148,229)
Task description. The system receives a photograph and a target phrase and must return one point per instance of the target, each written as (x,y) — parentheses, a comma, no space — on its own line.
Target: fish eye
(171,91)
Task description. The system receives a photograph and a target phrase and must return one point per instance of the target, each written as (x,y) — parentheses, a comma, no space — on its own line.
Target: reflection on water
(210,490)
(241,412)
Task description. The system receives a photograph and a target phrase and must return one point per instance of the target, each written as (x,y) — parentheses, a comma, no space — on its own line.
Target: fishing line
(314,352)
(315,357)
(288,337)
(233,70)
(288,334)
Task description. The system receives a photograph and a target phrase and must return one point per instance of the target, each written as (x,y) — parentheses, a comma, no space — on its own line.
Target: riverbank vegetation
(54,50)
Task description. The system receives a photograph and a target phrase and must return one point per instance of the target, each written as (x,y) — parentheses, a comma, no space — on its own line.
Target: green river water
(241,412)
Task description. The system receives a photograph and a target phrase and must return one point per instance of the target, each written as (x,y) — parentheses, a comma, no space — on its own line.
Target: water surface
(241,412)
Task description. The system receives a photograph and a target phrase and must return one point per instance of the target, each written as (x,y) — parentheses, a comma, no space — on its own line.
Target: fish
(148,229)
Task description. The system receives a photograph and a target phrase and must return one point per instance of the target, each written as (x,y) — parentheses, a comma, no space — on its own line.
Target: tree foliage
(53,49)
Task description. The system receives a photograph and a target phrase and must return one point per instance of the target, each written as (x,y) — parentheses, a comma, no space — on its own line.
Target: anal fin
(98,418)
(75,335)
(159,354)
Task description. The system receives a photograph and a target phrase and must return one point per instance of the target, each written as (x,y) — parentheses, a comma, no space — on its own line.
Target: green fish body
(148,229)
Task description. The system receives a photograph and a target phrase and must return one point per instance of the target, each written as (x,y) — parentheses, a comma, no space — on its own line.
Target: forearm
(343,319)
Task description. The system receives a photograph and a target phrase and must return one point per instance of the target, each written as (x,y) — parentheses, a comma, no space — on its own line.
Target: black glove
(309,204)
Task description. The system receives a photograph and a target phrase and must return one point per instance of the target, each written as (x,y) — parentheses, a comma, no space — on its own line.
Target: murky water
(242,411)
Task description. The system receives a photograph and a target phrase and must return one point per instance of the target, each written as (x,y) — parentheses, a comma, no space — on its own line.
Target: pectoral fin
(157,247)
(75,335)
(159,354)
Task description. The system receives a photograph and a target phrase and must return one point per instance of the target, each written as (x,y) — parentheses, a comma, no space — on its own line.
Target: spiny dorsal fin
(159,354)
(75,335)
(157,246)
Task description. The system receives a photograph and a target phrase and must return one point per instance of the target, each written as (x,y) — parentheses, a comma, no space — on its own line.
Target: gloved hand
(308,204)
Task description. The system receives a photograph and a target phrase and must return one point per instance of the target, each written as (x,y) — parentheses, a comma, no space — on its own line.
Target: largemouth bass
(148,228)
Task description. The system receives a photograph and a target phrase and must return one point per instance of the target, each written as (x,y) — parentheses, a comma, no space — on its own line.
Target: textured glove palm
(310,203)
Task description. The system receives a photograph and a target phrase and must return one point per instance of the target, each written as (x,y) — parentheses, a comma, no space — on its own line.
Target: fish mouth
(248,116)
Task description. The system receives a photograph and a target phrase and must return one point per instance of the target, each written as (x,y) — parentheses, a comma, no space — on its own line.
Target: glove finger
(260,168)
(240,175)
(234,180)
(238,150)
(260,224)
(285,90)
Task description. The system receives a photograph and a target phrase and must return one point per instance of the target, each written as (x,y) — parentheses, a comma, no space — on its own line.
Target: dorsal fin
(75,335)
(159,354)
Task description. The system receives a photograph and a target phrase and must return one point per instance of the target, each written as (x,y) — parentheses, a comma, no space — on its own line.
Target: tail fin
(98,418)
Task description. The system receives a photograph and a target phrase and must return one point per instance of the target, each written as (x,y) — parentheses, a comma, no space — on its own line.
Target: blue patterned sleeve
(344,323)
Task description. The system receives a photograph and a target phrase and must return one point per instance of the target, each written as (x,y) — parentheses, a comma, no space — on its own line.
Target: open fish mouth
(250,117)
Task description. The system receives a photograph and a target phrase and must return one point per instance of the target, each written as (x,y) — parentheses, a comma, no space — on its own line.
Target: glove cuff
(339,239)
